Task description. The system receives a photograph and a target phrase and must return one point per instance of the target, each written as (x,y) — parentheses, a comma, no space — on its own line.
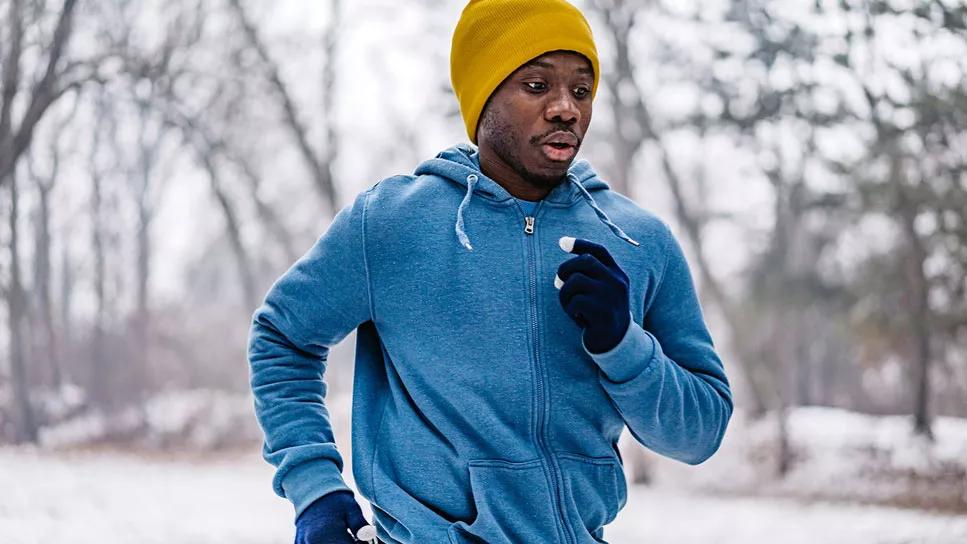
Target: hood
(460,164)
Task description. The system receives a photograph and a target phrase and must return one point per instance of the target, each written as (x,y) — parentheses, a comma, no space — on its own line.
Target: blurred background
(163,162)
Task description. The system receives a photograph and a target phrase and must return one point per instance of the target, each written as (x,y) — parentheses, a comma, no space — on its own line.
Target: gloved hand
(594,293)
(329,519)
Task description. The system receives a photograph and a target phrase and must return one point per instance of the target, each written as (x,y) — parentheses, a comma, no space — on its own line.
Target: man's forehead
(554,59)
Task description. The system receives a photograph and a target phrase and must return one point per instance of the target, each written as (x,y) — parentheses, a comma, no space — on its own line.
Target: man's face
(536,119)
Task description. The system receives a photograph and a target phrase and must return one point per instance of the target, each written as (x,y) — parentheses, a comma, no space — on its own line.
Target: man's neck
(510,179)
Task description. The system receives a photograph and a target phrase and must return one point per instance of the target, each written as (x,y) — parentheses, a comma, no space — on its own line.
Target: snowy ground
(837,455)
(121,498)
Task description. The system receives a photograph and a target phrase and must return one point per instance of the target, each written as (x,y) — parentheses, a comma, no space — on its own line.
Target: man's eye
(540,86)
(581,92)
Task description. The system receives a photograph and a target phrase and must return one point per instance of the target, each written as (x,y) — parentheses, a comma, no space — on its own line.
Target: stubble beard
(505,142)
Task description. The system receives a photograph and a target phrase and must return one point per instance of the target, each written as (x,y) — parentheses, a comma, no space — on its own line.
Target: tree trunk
(147,150)
(784,459)
(783,349)
(142,317)
(42,286)
(98,375)
(27,429)
(919,312)
(66,298)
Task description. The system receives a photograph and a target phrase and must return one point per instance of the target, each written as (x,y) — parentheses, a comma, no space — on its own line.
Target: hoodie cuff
(311,480)
(633,354)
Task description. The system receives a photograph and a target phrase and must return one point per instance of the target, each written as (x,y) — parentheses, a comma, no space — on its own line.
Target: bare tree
(921,179)
(205,146)
(45,182)
(197,127)
(56,79)
(147,184)
(211,146)
(233,228)
(319,164)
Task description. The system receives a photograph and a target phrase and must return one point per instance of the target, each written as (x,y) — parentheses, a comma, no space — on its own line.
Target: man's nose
(562,107)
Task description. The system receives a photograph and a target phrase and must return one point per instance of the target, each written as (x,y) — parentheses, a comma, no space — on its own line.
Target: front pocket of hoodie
(594,490)
(513,504)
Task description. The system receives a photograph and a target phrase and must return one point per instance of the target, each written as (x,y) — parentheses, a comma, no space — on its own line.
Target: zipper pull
(529,226)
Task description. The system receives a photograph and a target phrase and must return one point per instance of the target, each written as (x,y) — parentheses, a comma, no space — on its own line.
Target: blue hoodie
(478,413)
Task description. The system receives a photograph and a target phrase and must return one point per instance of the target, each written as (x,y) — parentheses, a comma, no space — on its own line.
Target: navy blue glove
(594,293)
(329,519)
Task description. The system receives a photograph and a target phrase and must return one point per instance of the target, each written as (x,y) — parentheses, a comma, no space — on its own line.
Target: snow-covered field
(837,454)
(847,468)
(88,497)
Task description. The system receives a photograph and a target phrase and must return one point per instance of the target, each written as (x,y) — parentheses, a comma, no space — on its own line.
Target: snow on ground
(68,491)
(837,454)
(87,497)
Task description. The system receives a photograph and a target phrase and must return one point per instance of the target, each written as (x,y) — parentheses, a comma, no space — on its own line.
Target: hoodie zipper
(529,223)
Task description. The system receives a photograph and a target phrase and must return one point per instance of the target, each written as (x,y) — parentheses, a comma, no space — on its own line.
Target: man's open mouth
(558,152)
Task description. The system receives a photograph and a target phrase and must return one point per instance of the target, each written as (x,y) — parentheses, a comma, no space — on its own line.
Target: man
(508,327)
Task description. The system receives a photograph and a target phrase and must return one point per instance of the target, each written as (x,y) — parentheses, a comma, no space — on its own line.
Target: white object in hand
(366,533)
(567,244)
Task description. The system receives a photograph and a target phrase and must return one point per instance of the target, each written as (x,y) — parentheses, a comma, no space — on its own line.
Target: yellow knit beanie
(495,37)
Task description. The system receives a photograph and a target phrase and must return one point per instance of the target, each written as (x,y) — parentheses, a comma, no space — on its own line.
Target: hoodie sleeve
(311,307)
(664,377)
